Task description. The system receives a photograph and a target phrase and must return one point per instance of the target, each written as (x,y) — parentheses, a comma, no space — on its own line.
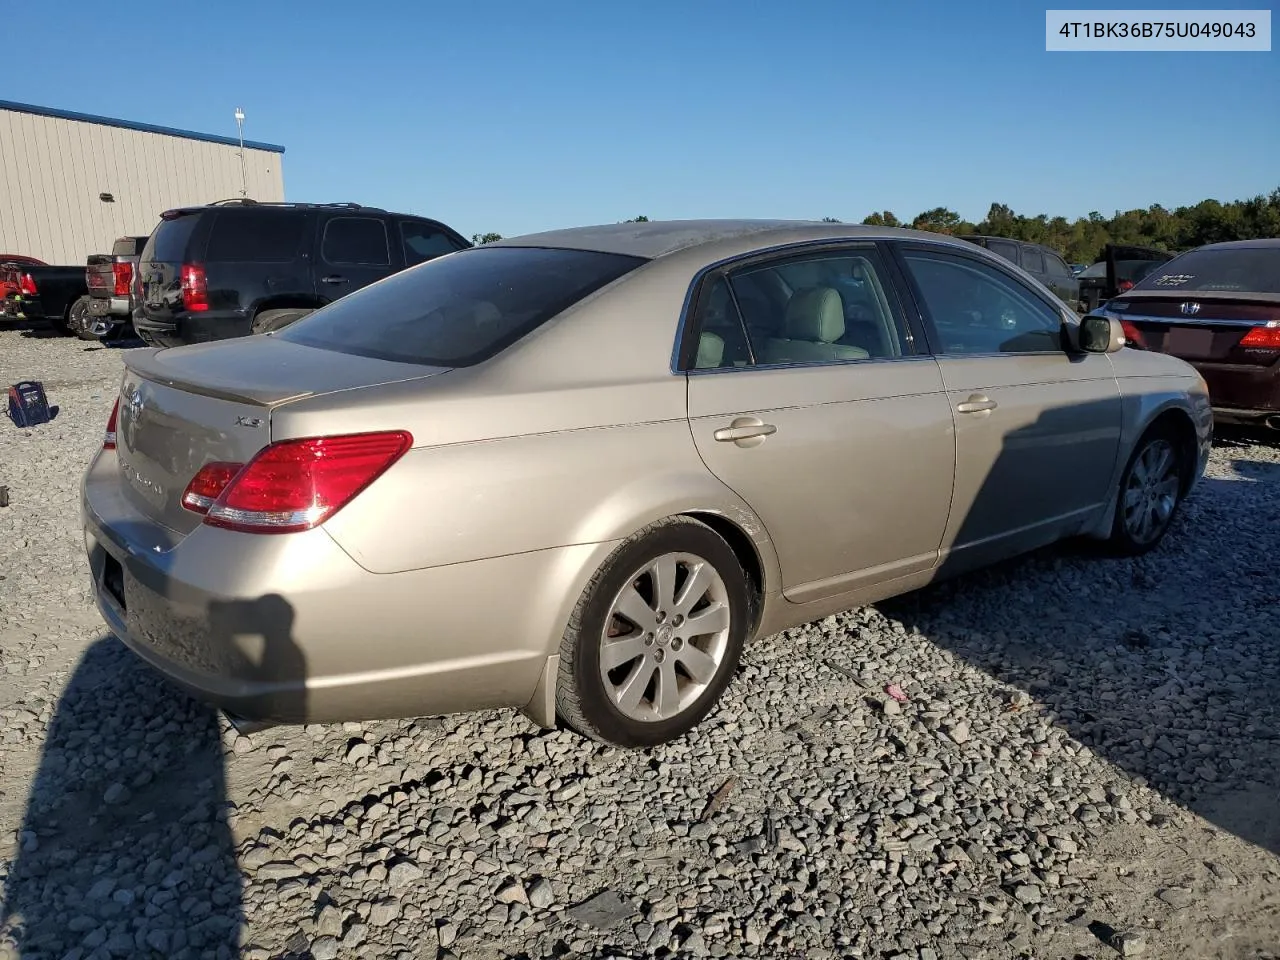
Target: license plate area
(113,580)
(1189,342)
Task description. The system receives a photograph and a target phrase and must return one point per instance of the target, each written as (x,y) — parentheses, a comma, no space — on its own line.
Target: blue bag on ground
(28,405)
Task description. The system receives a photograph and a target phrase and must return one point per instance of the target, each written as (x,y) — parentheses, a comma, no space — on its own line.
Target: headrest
(815,314)
(710,351)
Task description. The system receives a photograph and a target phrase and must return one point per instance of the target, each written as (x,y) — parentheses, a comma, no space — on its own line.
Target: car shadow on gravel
(125,849)
(1167,665)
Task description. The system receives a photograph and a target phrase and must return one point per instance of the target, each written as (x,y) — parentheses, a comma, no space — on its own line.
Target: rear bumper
(289,629)
(189,328)
(117,307)
(1240,393)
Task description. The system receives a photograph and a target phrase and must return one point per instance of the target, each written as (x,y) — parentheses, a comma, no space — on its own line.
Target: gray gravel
(1069,721)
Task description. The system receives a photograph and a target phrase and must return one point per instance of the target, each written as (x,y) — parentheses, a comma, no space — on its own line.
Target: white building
(71,183)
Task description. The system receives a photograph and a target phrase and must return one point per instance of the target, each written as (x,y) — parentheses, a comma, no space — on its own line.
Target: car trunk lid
(1205,327)
(182,409)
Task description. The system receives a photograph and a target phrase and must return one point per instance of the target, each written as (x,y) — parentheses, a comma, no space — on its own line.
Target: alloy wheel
(1151,493)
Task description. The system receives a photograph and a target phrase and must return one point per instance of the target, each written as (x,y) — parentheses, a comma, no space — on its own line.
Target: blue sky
(519,116)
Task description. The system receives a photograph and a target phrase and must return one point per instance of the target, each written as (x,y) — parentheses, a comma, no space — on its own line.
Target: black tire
(582,701)
(78,319)
(1125,541)
(269,320)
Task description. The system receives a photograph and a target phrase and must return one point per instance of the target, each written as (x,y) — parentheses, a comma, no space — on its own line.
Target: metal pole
(244,183)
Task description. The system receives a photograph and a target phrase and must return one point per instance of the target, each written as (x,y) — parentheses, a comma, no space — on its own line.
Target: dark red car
(1218,308)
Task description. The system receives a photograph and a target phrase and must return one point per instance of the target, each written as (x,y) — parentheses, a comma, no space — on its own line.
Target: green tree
(480,238)
(832,220)
(937,220)
(635,220)
(883,219)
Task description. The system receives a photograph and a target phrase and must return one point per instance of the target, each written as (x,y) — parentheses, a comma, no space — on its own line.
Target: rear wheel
(269,320)
(1150,493)
(656,636)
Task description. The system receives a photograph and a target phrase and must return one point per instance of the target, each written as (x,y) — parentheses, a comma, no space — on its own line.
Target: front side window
(360,241)
(423,242)
(1056,267)
(979,309)
(818,308)
(1032,260)
(459,310)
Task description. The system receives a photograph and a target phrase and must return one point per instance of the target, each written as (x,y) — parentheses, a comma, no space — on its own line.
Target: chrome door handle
(745,431)
(333,279)
(977,403)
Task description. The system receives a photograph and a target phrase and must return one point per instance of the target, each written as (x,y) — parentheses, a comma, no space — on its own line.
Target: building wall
(52,170)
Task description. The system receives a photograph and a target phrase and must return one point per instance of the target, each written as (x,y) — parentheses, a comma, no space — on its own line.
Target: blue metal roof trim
(132,125)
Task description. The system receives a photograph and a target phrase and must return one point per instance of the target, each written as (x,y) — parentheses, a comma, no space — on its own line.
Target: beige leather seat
(814,321)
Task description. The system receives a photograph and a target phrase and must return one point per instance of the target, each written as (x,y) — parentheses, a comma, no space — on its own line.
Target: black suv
(1038,260)
(237,267)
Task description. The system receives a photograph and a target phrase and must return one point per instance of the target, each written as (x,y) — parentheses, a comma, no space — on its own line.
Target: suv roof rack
(250,202)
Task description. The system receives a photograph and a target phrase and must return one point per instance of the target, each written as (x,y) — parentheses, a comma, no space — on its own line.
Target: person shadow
(126,848)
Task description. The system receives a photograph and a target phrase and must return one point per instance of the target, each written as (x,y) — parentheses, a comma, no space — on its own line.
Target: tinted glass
(977,309)
(456,311)
(1005,249)
(1056,267)
(422,242)
(817,309)
(169,241)
(356,240)
(1246,270)
(255,235)
(1032,260)
(1096,271)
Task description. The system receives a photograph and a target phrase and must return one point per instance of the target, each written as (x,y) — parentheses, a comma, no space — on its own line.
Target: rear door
(354,251)
(807,397)
(1037,430)
(254,255)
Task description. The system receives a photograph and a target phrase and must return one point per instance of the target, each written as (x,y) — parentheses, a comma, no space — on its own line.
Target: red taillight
(123,274)
(207,485)
(27,285)
(195,293)
(295,485)
(1132,335)
(109,439)
(1262,338)
(1124,285)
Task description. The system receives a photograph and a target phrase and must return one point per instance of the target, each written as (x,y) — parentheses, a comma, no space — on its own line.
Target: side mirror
(1099,334)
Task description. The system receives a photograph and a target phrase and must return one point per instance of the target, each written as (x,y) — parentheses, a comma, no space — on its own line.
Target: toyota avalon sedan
(574,473)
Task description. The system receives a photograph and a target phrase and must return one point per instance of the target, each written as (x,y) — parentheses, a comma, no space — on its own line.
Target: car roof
(659,238)
(1264,243)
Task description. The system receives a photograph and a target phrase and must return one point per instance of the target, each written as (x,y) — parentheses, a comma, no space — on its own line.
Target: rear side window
(460,310)
(1243,270)
(1004,248)
(1032,260)
(423,241)
(255,235)
(169,242)
(356,240)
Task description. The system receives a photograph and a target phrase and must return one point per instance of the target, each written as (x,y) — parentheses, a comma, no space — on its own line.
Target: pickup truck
(109,277)
(55,294)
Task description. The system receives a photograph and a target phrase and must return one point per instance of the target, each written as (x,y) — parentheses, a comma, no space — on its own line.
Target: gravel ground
(1087,765)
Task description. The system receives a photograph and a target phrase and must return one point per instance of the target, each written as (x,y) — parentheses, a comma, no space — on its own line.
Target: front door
(1037,427)
(809,399)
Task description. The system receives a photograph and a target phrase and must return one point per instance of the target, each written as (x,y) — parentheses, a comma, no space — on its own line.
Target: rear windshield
(1244,270)
(169,241)
(459,309)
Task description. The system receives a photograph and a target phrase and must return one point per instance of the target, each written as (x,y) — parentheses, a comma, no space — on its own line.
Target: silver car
(574,473)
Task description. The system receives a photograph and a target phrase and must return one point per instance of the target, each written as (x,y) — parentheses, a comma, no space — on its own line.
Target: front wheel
(656,636)
(1150,493)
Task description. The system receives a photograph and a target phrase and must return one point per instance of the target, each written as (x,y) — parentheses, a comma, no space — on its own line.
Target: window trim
(684,352)
(990,259)
(386,238)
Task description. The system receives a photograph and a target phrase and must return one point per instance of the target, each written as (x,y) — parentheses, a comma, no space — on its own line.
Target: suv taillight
(109,440)
(27,285)
(293,485)
(123,275)
(195,292)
